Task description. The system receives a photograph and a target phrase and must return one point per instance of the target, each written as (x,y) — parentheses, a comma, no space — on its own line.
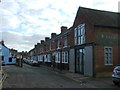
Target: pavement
(73,76)
(84,80)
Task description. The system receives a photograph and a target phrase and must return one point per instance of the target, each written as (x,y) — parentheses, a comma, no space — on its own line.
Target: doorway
(10,59)
(79,61)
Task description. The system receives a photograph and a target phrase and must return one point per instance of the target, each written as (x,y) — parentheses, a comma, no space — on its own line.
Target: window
(10,59)
(79,34)
(0,51)
(65,57)
(57,59)
(48,58)
(108,55)
(45,58)
(40,59)
(75,36)
(58,44)
(2,58)
(65,41)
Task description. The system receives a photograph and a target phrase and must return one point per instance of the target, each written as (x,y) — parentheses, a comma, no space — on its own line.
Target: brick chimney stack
(47,38)
(63,29)
(42,41)
(53,35)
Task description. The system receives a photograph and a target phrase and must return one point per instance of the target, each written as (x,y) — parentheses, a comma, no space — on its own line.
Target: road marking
(3,79)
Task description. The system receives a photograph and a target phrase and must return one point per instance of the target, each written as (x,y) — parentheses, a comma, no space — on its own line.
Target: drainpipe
(94,66)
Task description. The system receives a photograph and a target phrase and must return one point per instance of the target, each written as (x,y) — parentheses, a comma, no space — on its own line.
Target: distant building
(24,54)
(5,54)
(13,52)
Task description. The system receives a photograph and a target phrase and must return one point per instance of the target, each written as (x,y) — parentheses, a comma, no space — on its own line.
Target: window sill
(108,64)
(65,46)
(65,62)
(58,62)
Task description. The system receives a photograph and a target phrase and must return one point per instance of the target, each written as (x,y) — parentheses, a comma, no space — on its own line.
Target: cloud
(106,5)
(119,7)
(26,22)
(17,40)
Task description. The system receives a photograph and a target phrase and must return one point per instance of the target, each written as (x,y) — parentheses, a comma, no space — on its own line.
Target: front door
(79,60)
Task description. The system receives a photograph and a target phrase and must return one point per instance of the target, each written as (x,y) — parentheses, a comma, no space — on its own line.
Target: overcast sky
(23,23)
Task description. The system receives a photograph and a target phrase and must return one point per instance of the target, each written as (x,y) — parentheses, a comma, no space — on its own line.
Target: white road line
(3,79)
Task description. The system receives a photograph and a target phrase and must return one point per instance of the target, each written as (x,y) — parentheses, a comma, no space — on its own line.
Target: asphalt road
(39,77)
(35,77)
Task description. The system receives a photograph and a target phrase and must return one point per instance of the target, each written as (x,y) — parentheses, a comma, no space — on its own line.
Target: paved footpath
(84,80)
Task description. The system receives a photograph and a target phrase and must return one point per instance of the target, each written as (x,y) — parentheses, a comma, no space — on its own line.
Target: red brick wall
(99,51)
(99,59)
(89,34)
(53,44)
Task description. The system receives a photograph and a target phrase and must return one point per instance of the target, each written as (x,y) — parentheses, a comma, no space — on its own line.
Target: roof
(2,44)
(99,17)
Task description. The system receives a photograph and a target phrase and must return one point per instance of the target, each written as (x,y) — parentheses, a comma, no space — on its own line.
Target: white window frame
(108,60)
(65,41)
(57,58)
(75,36)
(65,57)
(48,58)
(45,58)
(79,34)
(41,58)
(82,33)
(58,44)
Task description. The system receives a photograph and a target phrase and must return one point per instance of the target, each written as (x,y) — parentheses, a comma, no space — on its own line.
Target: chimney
(42,41)
(53,35)
(38,43)
(35,45)
(47,38)
(63,29)
(2,42)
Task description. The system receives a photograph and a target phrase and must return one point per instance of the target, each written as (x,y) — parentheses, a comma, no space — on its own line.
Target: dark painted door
(79,60)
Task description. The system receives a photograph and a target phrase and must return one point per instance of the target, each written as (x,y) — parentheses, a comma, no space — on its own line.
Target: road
(39,77)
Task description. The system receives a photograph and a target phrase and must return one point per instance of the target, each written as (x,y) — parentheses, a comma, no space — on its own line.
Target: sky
(23,23)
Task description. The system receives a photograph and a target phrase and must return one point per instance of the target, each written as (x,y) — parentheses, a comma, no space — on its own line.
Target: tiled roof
(101,18)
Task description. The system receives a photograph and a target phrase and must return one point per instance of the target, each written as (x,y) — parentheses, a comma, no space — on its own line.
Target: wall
(106,37)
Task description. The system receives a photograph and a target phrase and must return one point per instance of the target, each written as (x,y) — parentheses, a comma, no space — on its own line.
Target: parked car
(35,63)
(116,75)
(24,60)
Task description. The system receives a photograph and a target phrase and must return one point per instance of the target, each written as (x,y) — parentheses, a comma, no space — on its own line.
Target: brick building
(89,47)
(96,42)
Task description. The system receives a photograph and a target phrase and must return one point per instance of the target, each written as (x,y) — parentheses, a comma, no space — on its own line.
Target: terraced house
(6,56)
(89,47)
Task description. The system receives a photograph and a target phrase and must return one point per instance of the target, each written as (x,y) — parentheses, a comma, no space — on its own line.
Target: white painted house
(5,54)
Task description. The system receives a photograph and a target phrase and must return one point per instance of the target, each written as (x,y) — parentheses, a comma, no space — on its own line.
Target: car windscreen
(117,68)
